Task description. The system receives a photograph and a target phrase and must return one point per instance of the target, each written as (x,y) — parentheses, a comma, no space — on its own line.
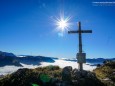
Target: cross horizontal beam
(82,31)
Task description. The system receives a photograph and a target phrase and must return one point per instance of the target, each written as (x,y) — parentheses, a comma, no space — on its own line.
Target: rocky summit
(79,78)
(103,75)
(51,76)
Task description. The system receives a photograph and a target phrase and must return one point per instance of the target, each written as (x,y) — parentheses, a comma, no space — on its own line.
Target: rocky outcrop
(66,76)
(51,76)
(66,73)
(79,78)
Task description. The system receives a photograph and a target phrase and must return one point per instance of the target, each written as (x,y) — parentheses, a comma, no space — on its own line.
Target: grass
(106,71)
(32,77)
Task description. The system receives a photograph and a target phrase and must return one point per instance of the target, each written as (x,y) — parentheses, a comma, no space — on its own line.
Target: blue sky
(28,27)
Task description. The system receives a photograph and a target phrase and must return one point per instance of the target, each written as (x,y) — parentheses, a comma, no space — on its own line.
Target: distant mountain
(34,60)
(11,59)
(4,54)
(54,58)
(8,59)
(96,61)
(92,62)
(23,55)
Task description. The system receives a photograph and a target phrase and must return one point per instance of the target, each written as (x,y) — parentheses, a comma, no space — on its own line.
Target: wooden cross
(81,57)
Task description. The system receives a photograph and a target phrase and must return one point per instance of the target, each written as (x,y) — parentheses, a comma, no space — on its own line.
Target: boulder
(76,74)
(66,74)
(91,75)
(84,73)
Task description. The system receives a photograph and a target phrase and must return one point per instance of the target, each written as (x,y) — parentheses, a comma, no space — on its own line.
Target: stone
(113,73)
(66,73)
(90,75)
(1,76)
(54,82)
(76,74)
(65,83)
(84,73)
(106,79)
(75,82)
(98,65)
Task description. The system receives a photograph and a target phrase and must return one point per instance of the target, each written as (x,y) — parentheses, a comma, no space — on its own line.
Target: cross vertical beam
(80,37)
(81,57)
(80,65)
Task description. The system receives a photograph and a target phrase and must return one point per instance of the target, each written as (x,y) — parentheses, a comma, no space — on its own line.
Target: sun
(62,23)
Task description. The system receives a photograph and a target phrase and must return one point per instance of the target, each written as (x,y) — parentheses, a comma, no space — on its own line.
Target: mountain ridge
(11,59)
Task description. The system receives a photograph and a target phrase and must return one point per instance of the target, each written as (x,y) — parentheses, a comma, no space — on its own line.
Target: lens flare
(62,23)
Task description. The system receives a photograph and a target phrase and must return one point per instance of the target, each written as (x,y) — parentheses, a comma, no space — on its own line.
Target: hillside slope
(106,73)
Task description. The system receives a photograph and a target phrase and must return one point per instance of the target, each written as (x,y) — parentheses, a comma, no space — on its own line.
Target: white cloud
(62,63)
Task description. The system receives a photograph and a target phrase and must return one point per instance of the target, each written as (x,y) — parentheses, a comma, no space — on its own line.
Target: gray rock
(76,74)
(113,73)
(66,73)
(107,79)
(53,80)
(65,83)
(90,75)
(1,76)
(58,84)
(84,73)
(75,82)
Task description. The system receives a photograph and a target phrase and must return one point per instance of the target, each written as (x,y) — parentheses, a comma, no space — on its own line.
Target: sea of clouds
(62,63)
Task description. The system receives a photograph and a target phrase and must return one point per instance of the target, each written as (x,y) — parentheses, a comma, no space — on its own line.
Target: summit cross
(81,57)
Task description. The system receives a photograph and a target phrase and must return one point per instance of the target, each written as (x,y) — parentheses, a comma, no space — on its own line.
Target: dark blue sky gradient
(27,27)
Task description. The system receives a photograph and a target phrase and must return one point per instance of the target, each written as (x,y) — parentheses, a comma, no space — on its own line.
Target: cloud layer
(62,63)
